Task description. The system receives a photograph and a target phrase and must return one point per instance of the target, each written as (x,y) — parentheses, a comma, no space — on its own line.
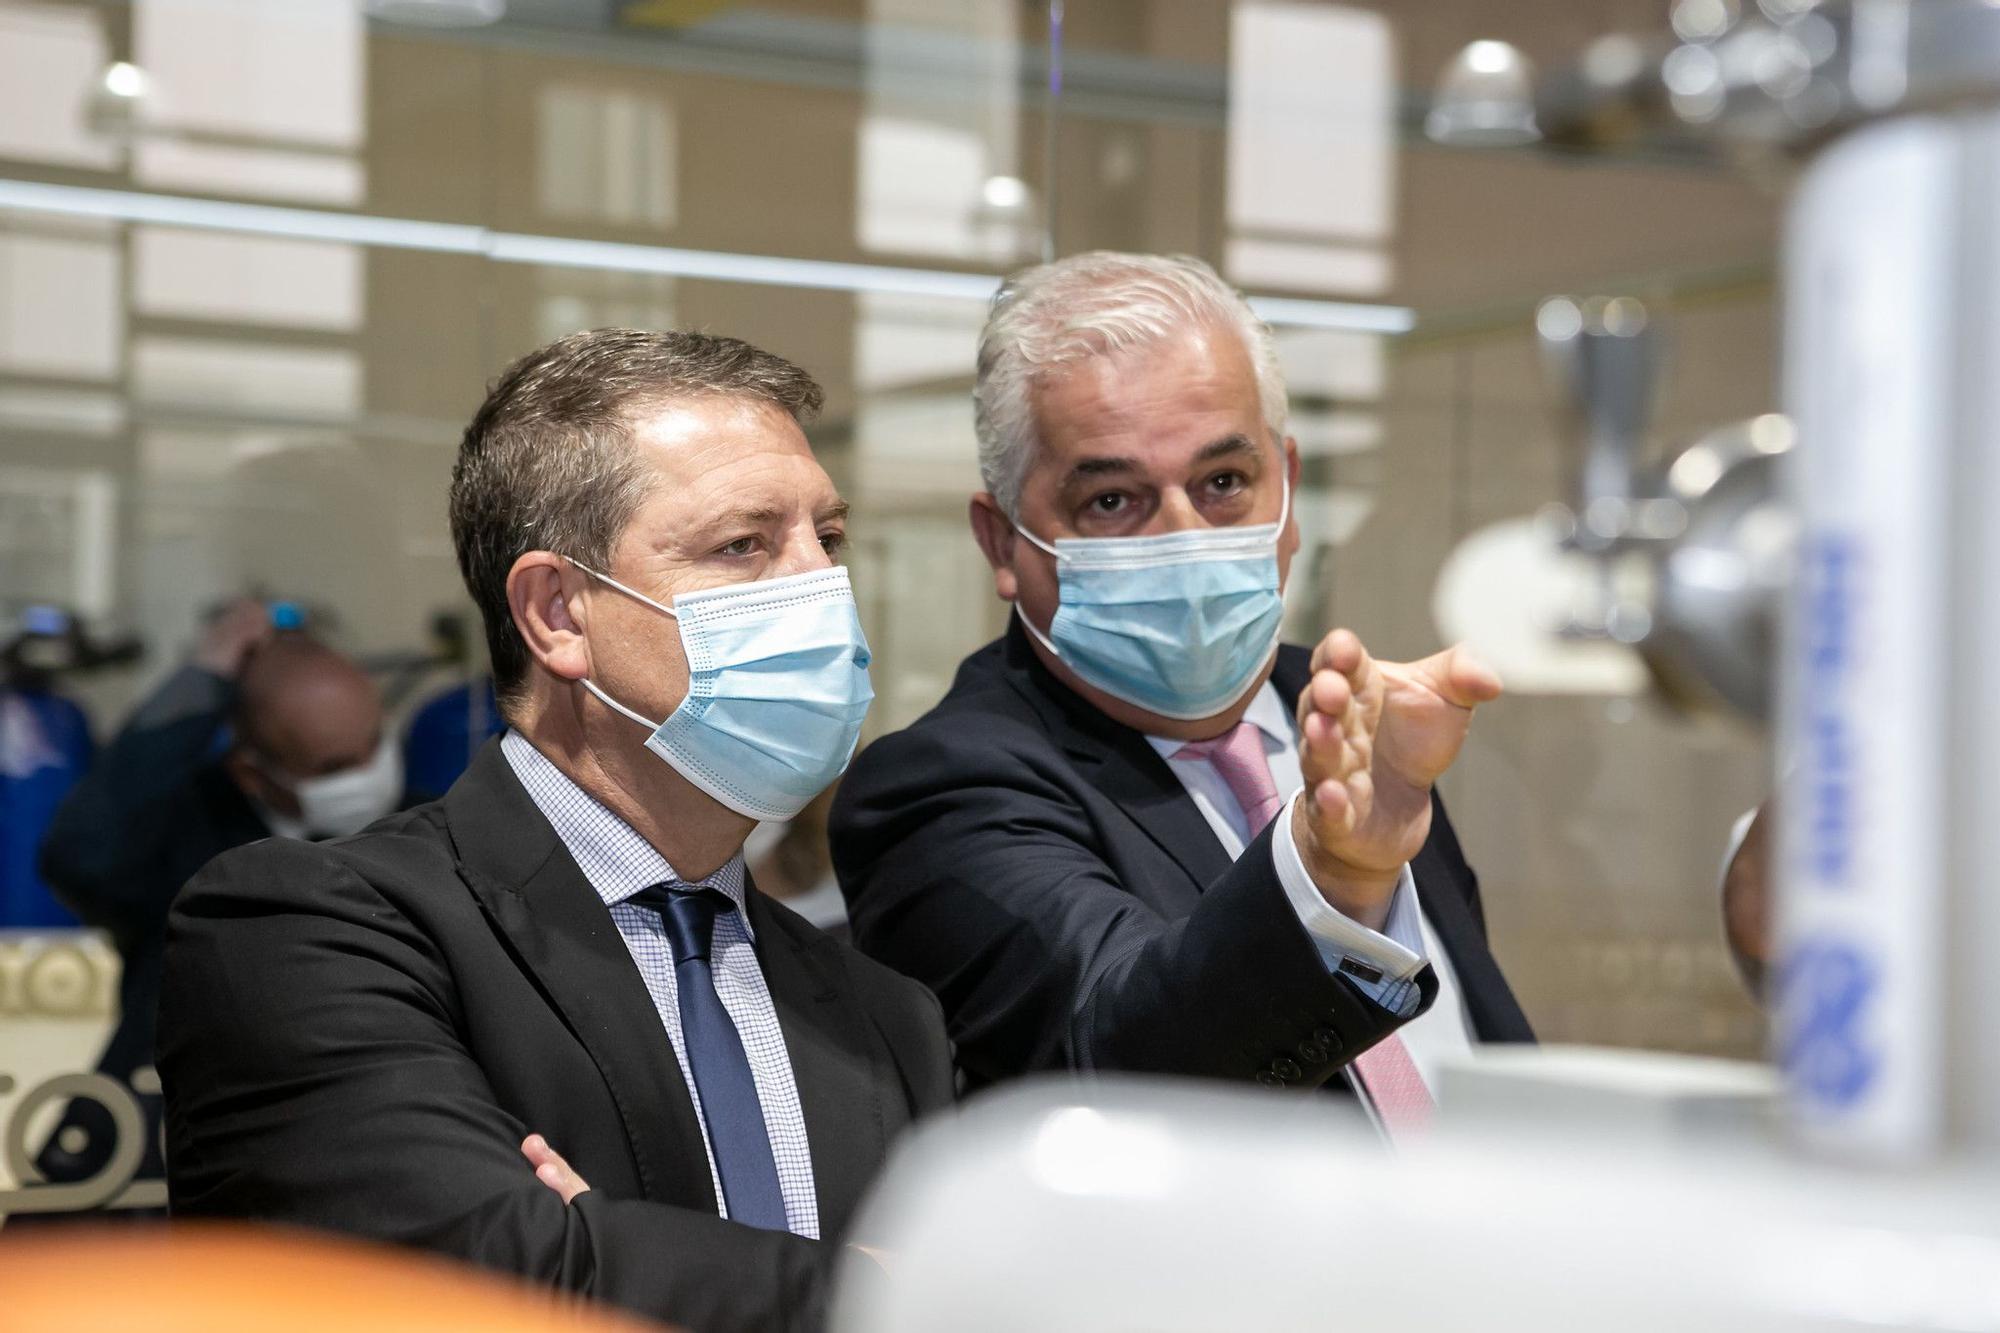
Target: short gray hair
(1094,304)
(547,462)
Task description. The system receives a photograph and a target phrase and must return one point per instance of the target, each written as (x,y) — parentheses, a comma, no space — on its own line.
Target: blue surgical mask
(1177,623)
(777,688)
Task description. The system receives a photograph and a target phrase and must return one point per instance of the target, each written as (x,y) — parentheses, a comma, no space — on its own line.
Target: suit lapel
(838,1063)
(1290,673)
(1489,1000)
(1119,762)
(1127,771)
(563,935)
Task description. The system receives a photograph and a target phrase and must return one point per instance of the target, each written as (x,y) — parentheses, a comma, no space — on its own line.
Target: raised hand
(235,633)
(1375,736)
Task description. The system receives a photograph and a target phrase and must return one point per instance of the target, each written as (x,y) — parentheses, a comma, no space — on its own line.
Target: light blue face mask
(1177,623)
(777,688)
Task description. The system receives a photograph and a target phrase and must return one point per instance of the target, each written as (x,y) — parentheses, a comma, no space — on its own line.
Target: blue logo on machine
(1828,606)
(1824,990)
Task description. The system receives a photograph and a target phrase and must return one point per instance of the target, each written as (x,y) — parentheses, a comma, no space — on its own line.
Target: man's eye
(741,546)
(1111,502)
(833,543)
(1227,483)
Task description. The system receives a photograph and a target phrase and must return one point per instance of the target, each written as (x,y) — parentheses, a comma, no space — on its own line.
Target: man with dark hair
(361,1036)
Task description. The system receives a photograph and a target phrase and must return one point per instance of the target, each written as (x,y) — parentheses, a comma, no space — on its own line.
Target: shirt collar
(612,856)
(1266,713)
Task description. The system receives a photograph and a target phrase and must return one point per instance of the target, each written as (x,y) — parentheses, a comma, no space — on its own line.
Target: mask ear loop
(634,595)
(590,684)
(1021,615)
(1033,540)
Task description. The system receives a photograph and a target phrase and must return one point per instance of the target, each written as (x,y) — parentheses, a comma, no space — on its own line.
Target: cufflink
(1362,971)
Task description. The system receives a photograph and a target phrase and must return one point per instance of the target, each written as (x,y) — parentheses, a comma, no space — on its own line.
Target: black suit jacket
(1041,868)
(356,1036)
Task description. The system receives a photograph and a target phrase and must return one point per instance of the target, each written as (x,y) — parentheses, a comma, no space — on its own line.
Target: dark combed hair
(547,462)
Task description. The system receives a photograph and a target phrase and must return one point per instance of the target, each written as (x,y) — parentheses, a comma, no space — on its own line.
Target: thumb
(1459,677)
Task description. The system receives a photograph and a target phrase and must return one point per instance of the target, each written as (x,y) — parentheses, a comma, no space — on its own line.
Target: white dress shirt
(618,863)
(1398,951)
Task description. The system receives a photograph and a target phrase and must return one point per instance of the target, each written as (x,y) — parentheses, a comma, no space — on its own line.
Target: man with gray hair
(545,1023)
(1139,833)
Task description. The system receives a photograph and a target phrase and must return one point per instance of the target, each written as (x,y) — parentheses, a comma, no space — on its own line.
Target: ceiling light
(1485,99)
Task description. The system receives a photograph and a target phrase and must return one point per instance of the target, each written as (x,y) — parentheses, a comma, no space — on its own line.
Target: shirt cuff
(1383,965)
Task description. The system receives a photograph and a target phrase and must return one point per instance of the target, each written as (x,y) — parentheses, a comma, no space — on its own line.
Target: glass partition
(258,262)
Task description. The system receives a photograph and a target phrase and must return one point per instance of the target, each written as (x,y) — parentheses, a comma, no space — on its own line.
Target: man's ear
(542,596)
(1292,464)
(995,534)
(241,771)
(252,782)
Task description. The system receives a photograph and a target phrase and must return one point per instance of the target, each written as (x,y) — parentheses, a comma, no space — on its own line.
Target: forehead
(688,440)
(320,714)
(1158,398)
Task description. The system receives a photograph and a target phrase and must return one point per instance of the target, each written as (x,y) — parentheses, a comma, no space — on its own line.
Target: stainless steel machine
(1884,118)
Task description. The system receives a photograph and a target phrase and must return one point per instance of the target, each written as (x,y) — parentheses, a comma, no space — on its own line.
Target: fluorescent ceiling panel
(571,252)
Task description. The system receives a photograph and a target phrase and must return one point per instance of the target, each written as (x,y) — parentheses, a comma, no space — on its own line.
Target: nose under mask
(1177,623)
(778,688)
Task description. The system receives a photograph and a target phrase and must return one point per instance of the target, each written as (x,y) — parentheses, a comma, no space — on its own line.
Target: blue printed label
(1825,990)
(1827,625)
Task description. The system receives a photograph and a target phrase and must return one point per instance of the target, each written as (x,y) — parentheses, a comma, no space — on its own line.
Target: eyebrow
(1227,446)
(761,516)
(755,516)
(1224,447)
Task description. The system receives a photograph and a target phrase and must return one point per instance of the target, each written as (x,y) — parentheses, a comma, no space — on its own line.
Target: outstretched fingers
(1460,677)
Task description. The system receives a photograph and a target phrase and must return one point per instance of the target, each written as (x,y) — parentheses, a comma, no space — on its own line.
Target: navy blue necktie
(722,1079)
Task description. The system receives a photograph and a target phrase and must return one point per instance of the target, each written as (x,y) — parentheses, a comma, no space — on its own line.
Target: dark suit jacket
(356,1036)
(154,809)
(1041,868)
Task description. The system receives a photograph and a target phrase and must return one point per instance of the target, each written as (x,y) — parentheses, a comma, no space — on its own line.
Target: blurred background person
(443,734)
(261,733)
(1746,895)
(45,749)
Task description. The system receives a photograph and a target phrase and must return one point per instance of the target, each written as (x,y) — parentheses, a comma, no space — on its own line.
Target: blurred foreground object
(1126,1204)
(193,1279)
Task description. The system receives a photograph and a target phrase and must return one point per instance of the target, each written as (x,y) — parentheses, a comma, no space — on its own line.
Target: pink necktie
(1395,1087)
(1387,1073)
(1237,756)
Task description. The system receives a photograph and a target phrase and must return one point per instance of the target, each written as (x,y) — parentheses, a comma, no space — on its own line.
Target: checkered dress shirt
(618,863)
